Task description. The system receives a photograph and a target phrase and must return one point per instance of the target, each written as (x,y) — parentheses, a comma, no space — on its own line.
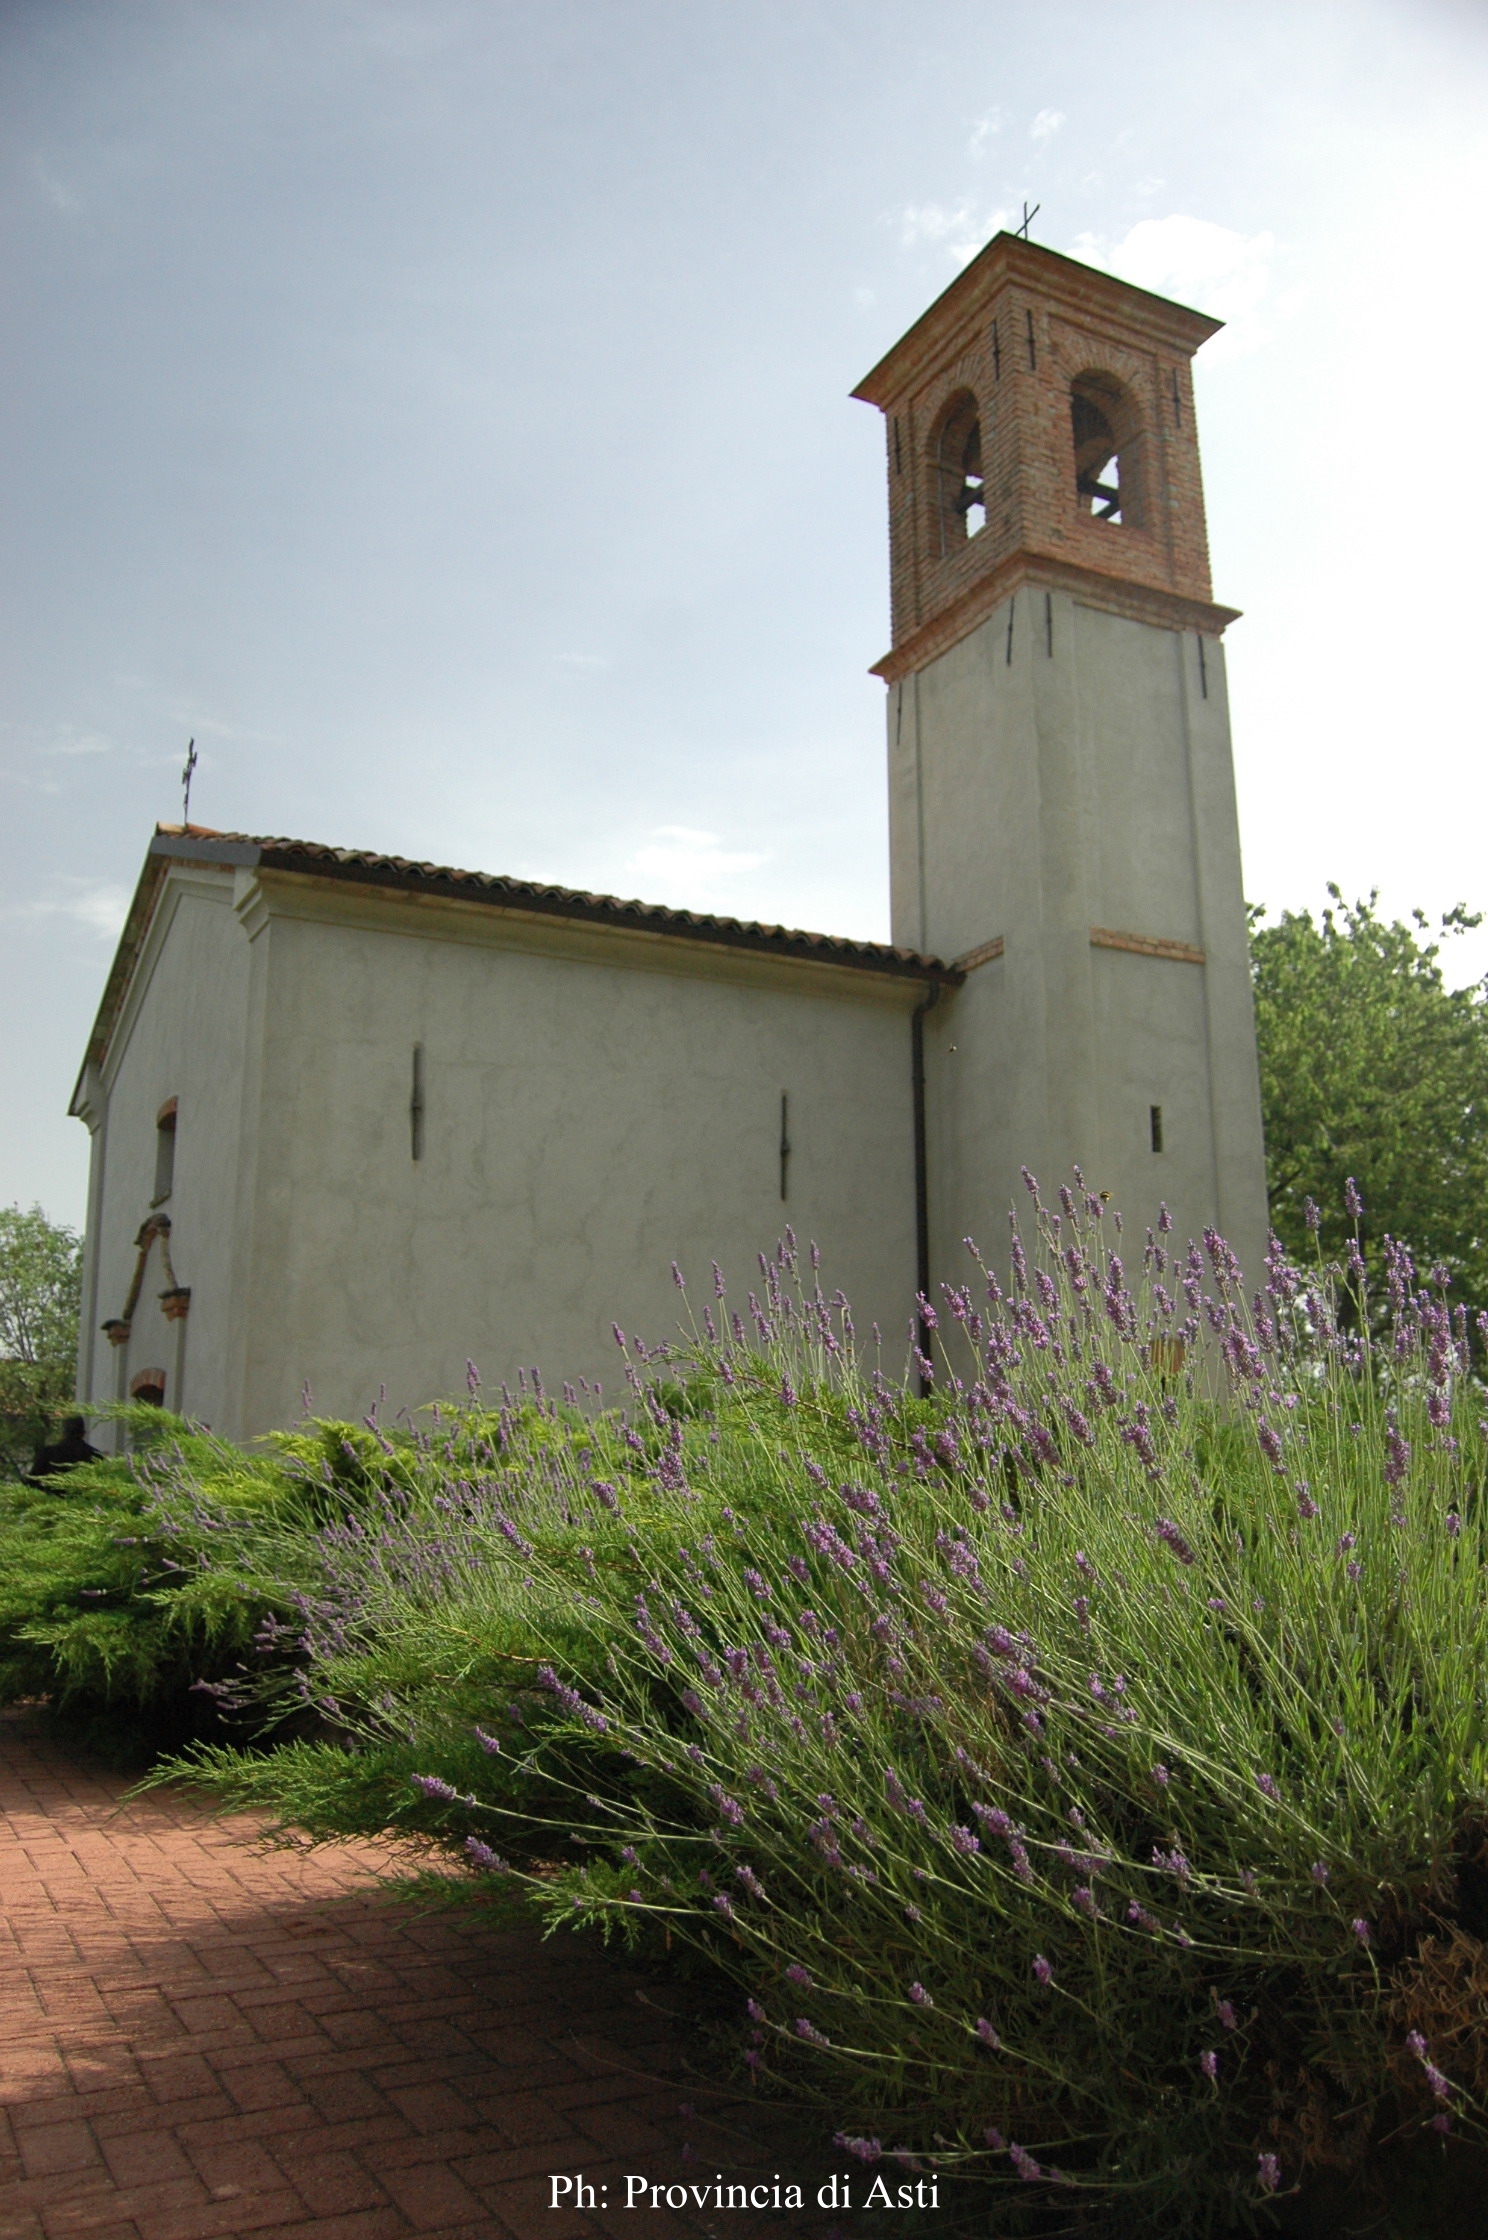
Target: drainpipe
(921,1163)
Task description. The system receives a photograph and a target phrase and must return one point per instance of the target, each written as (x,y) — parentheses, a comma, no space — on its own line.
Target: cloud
(1215,269)
(81,742)
(57,192)
(1046,124)
(986,128)
(100,905)
(582,660)
(681,866)
(958,232)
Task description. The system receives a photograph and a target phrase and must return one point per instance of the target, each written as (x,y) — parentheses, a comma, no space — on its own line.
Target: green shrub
(129,1586)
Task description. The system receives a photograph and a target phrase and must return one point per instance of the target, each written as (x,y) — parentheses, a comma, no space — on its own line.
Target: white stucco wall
(597,1103)
(1075,773)
(180,1034)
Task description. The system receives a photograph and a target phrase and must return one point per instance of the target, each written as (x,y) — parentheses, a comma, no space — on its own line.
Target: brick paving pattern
(200,2039)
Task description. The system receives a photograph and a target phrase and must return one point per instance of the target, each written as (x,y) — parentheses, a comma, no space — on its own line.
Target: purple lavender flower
(1023,2162)
(994,2138)
(1397,1450)
(1268,2169)
(1042,1970)
(1209,2063)
(1454,1524)
(799,1976)
(964,1841)
(755,2011)
(1417,2045)
(810,2033)
(1161,1776)
(485,1857)
(1224,2014)
(488,1742)
(1353,1203)
(1168,1533)
(571,1700)
(987,2034)
(432,1786)
(920,1995)
(1363,1931)
(1267,1786)
(1319,1871)
(866,2150)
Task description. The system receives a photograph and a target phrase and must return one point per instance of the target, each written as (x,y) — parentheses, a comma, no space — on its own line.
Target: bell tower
(1061,792)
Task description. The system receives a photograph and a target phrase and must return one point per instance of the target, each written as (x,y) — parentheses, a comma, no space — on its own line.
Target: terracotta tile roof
(198,843)
(367,868)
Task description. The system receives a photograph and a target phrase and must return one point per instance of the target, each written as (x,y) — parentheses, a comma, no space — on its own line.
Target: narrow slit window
(165,1152)
(416,1104)
(1155,1123)
(785,1148)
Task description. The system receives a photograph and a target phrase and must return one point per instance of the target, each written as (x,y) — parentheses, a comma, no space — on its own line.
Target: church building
(357,1120)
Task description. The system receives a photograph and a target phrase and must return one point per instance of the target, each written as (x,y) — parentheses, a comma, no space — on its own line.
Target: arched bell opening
(1107,447)
(956,464)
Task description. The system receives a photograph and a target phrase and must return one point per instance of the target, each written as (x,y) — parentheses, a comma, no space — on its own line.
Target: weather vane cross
(1028,218)
(186,781)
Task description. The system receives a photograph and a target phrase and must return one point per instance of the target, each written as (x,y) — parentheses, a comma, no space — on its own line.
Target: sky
(439,409)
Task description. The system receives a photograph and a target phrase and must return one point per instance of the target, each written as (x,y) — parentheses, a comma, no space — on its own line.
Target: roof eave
(533,899)
(234,851)
(896,369)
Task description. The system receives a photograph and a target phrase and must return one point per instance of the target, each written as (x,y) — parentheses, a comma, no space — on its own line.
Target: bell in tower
(1062,808)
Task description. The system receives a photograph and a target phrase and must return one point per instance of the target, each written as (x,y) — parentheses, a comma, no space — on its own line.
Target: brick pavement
(200,2039)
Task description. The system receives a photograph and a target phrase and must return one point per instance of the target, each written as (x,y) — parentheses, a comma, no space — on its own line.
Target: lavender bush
(1079,1770)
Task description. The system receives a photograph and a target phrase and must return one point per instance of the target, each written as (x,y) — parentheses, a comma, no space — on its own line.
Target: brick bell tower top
(1041,431)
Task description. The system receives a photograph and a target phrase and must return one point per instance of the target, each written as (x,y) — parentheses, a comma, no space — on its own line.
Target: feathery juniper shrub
(1080,1772)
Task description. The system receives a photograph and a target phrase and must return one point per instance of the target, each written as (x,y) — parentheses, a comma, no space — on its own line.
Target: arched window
(1107,481)
(149,1387)
(956,459)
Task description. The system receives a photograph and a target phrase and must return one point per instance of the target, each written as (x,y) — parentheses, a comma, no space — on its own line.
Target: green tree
(40,1285)
(1372,1067)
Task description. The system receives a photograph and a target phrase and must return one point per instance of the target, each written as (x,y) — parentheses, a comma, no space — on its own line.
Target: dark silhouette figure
(71,1449)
